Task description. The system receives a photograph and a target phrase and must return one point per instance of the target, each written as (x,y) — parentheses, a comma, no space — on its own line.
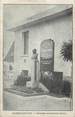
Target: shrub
(66,90)
(53,84)
(22,78)
(57,86)
(20,81)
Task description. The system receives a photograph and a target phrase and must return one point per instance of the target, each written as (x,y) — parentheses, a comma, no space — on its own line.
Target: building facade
(55,25)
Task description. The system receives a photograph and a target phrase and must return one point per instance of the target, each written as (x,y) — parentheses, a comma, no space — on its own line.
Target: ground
(15,102)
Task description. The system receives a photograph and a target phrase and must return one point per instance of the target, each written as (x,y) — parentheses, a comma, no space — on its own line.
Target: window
(10,67)
(26,39)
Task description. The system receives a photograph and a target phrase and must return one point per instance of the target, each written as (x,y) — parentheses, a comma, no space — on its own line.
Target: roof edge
(49,14)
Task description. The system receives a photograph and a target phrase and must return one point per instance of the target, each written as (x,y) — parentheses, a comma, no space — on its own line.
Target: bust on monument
(35,55)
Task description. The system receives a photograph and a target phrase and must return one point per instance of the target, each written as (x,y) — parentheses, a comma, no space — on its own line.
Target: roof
(59,10)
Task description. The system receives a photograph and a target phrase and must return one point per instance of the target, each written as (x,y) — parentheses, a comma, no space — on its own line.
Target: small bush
(66,90)
(53,81)
(54,87)
(57,86)
(21,81)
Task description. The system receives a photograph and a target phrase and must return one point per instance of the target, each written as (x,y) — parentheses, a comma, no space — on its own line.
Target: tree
(66,51)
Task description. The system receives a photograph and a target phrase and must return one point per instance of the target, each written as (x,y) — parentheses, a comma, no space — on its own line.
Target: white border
(24,113)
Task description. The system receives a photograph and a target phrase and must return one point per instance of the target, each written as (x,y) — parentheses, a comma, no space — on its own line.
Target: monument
(35,70)
(47,66)
(47,56)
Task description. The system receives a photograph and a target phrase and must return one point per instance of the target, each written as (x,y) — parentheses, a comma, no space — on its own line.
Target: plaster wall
(59,30)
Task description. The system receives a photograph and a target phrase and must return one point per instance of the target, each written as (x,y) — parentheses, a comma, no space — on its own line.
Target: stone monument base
(37,85)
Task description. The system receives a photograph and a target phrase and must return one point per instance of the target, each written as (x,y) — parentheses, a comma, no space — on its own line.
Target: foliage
(52,85)
(62,87)
(22,79)
(66,51)
(66,89)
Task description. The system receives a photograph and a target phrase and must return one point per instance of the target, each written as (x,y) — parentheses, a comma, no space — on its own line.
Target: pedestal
(35,74)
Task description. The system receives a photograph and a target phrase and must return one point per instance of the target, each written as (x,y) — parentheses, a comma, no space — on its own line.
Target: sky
(14,14)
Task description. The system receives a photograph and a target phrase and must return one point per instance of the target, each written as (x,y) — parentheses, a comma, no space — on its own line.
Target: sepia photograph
(37,57)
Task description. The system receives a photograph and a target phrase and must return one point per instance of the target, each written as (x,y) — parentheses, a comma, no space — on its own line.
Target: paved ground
(15,102)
